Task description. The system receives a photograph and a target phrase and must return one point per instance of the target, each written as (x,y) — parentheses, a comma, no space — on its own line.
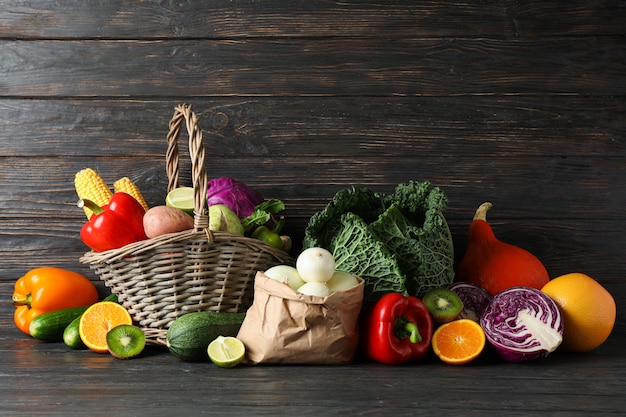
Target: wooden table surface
(519,103)
(41,378)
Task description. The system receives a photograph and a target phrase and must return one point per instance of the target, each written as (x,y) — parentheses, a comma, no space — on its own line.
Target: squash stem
(481,212)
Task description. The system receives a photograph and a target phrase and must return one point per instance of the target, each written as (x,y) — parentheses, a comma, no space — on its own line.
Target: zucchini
(71,335)
(50,326)
(189,335)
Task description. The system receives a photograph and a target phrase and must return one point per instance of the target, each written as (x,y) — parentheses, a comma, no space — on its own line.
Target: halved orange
(97,320)
(458,342)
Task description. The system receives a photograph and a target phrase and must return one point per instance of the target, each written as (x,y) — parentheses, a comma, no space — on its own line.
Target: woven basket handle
(196,153)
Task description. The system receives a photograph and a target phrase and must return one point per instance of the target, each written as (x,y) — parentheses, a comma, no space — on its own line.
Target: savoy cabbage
(398,242)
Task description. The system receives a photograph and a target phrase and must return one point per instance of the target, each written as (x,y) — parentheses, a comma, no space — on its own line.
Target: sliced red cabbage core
(475,299)
(523,324)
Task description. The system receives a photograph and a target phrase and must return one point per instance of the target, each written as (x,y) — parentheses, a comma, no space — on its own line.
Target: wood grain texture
(526,110)
(482,127)
(539,207)
(120,19)
(330,67)
(521,103)
(73,383)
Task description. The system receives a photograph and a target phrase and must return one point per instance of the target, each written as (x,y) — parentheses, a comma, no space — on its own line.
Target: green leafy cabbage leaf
(358,250)
(398,242)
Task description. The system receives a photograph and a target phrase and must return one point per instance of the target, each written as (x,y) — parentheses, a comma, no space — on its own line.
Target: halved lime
(181,198)
(226,351)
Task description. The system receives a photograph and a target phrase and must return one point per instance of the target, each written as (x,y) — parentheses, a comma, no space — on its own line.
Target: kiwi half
(444,304)
(126,341)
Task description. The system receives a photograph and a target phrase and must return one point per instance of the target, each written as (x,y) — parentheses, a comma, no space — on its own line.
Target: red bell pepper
(397,329)
(114,225)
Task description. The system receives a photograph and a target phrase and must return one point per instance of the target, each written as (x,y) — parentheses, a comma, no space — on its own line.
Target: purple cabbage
(237,196)
(523,324)
(475,299)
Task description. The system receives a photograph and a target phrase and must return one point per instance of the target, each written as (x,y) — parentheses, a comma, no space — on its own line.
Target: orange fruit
(588,311)
(97,320)
(458,342)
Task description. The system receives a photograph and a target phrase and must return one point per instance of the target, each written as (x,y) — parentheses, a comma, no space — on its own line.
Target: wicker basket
(162,278)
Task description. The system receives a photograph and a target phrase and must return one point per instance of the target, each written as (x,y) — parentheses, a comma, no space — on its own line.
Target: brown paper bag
(285,327)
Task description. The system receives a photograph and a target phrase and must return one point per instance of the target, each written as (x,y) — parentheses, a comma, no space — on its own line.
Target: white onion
(315,265)
(341,280)
(317,289)
(286,274)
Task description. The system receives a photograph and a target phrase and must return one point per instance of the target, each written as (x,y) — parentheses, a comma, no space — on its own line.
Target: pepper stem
(17,302)
(403,328)
(278,224)
(414,334)
(96,209)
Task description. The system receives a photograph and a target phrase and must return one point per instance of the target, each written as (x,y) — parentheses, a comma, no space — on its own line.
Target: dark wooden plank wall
(519,103)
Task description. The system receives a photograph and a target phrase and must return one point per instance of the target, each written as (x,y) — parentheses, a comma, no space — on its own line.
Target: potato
(160,220)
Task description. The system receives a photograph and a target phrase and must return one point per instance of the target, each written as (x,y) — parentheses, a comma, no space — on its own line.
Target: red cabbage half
(475,299)
(523,324)
(237,196)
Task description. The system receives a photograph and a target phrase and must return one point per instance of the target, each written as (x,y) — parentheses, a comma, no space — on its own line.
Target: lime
(181,198)
(226,351)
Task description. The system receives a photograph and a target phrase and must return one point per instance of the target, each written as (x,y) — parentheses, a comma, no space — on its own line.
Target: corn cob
(125,185)
(90,185)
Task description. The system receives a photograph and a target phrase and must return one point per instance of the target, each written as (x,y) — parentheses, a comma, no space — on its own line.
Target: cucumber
(50,326)
(189,335)
(71,336)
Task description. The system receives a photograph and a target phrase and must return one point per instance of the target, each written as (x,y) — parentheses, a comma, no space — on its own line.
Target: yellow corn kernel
(125,185)
(90,185)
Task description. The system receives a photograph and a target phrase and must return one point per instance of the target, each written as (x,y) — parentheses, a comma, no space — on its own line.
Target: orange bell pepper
(48,289)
